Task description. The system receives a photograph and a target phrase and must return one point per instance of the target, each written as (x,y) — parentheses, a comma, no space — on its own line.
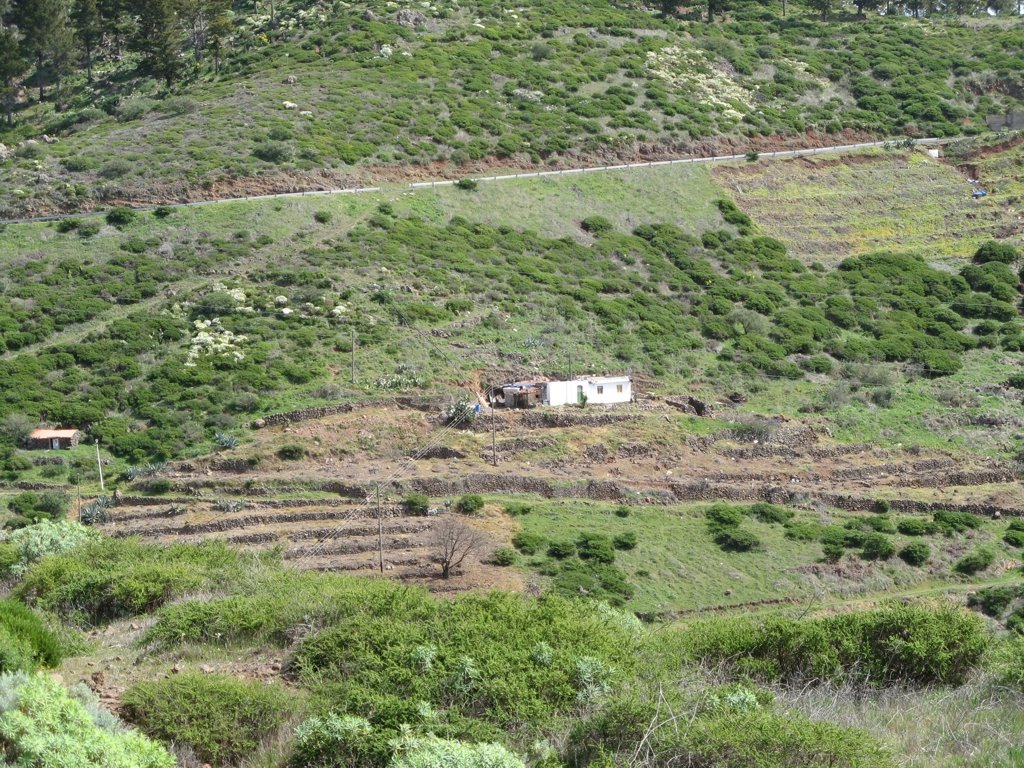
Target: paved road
(786,154)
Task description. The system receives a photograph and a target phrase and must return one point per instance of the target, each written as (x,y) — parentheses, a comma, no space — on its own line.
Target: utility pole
(494,438)
(380,531)
(99,464)
(353,355)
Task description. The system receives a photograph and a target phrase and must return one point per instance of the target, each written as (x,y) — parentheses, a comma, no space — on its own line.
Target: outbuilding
(53,439)
(598,390)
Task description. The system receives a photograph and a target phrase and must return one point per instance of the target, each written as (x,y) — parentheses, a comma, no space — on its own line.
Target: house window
(600,389)
(618,388)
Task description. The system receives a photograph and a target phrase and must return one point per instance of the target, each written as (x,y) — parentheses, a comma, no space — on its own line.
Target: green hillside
(325,95)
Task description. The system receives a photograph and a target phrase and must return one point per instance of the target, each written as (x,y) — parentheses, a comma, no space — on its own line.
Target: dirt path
(310,187)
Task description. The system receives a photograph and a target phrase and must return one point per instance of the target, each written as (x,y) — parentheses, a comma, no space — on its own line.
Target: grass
(824,209)
(676,567)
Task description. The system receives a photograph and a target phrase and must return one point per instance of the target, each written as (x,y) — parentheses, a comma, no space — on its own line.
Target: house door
(55,443)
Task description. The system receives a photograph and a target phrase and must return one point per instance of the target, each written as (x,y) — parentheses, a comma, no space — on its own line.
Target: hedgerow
(896,643)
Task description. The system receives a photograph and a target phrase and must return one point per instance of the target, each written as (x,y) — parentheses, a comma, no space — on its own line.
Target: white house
(599,390)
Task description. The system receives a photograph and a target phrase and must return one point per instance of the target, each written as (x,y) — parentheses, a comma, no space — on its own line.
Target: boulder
(4,152)
(289,105)
(410,18)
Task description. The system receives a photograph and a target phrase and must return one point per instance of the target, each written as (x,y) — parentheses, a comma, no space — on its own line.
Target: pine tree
(12,67)
(159,39)
(89,28)
(46,27)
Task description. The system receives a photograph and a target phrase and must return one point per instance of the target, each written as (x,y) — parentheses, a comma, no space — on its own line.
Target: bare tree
(452,542)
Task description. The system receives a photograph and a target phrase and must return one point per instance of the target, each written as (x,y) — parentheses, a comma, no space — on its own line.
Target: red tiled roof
(51,434)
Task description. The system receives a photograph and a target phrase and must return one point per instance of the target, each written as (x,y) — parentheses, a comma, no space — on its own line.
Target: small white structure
(598,390)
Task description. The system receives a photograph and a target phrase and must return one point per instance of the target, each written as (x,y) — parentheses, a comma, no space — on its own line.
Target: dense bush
(914,526)
(627,540)
(469,504)
(500,658)
(993,601)
(528,543)
(339,741)
(291,452)
(504,556)
(105,579)
(877,546)
(222,719)
(517,508)
(770,513)
(733,730)
(120,217)
(560,550)
(34,542)
(956,522)
(41,725)
(916,553)
(896,643)
(993,251)
(25,643)
(596,547)
(975,561)
(737,540)
(417,504)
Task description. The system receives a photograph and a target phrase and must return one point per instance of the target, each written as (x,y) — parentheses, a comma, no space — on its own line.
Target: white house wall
(565,392)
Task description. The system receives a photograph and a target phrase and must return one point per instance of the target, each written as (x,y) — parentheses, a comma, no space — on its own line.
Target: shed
(55,439)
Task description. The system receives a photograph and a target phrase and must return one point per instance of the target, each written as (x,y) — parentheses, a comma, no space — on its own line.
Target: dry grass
(976,725)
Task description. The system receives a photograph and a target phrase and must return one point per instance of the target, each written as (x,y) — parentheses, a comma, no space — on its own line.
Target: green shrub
(103,579)
(622,511)
(723,516)
(467,184)
(25,643)
(877,546)
(434,752)
(625,540)
(42,726)
(505,556)
(914,526)
(223,719)
(737,540)
(560,550)
(528,543)
(956,522)
(417,504)
(803,530)
(596,225)
(469,504)
(89,229)
(1014,538)
(993,601)
(119,217)
(895,643)
(444,652)
(517,508)
(724,736)
(975,562)
(879,524)
(769,513)
(993,251)
(882,506)
(323,217)
(916,553)
(339,741)
(596,547)
(291,452)
(34,542)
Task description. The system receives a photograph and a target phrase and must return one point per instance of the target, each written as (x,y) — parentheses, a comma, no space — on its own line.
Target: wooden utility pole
(494,438)
(353,355)
(99,464)
(380,531)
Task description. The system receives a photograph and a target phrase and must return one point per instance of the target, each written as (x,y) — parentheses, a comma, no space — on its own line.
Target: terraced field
(826,210)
